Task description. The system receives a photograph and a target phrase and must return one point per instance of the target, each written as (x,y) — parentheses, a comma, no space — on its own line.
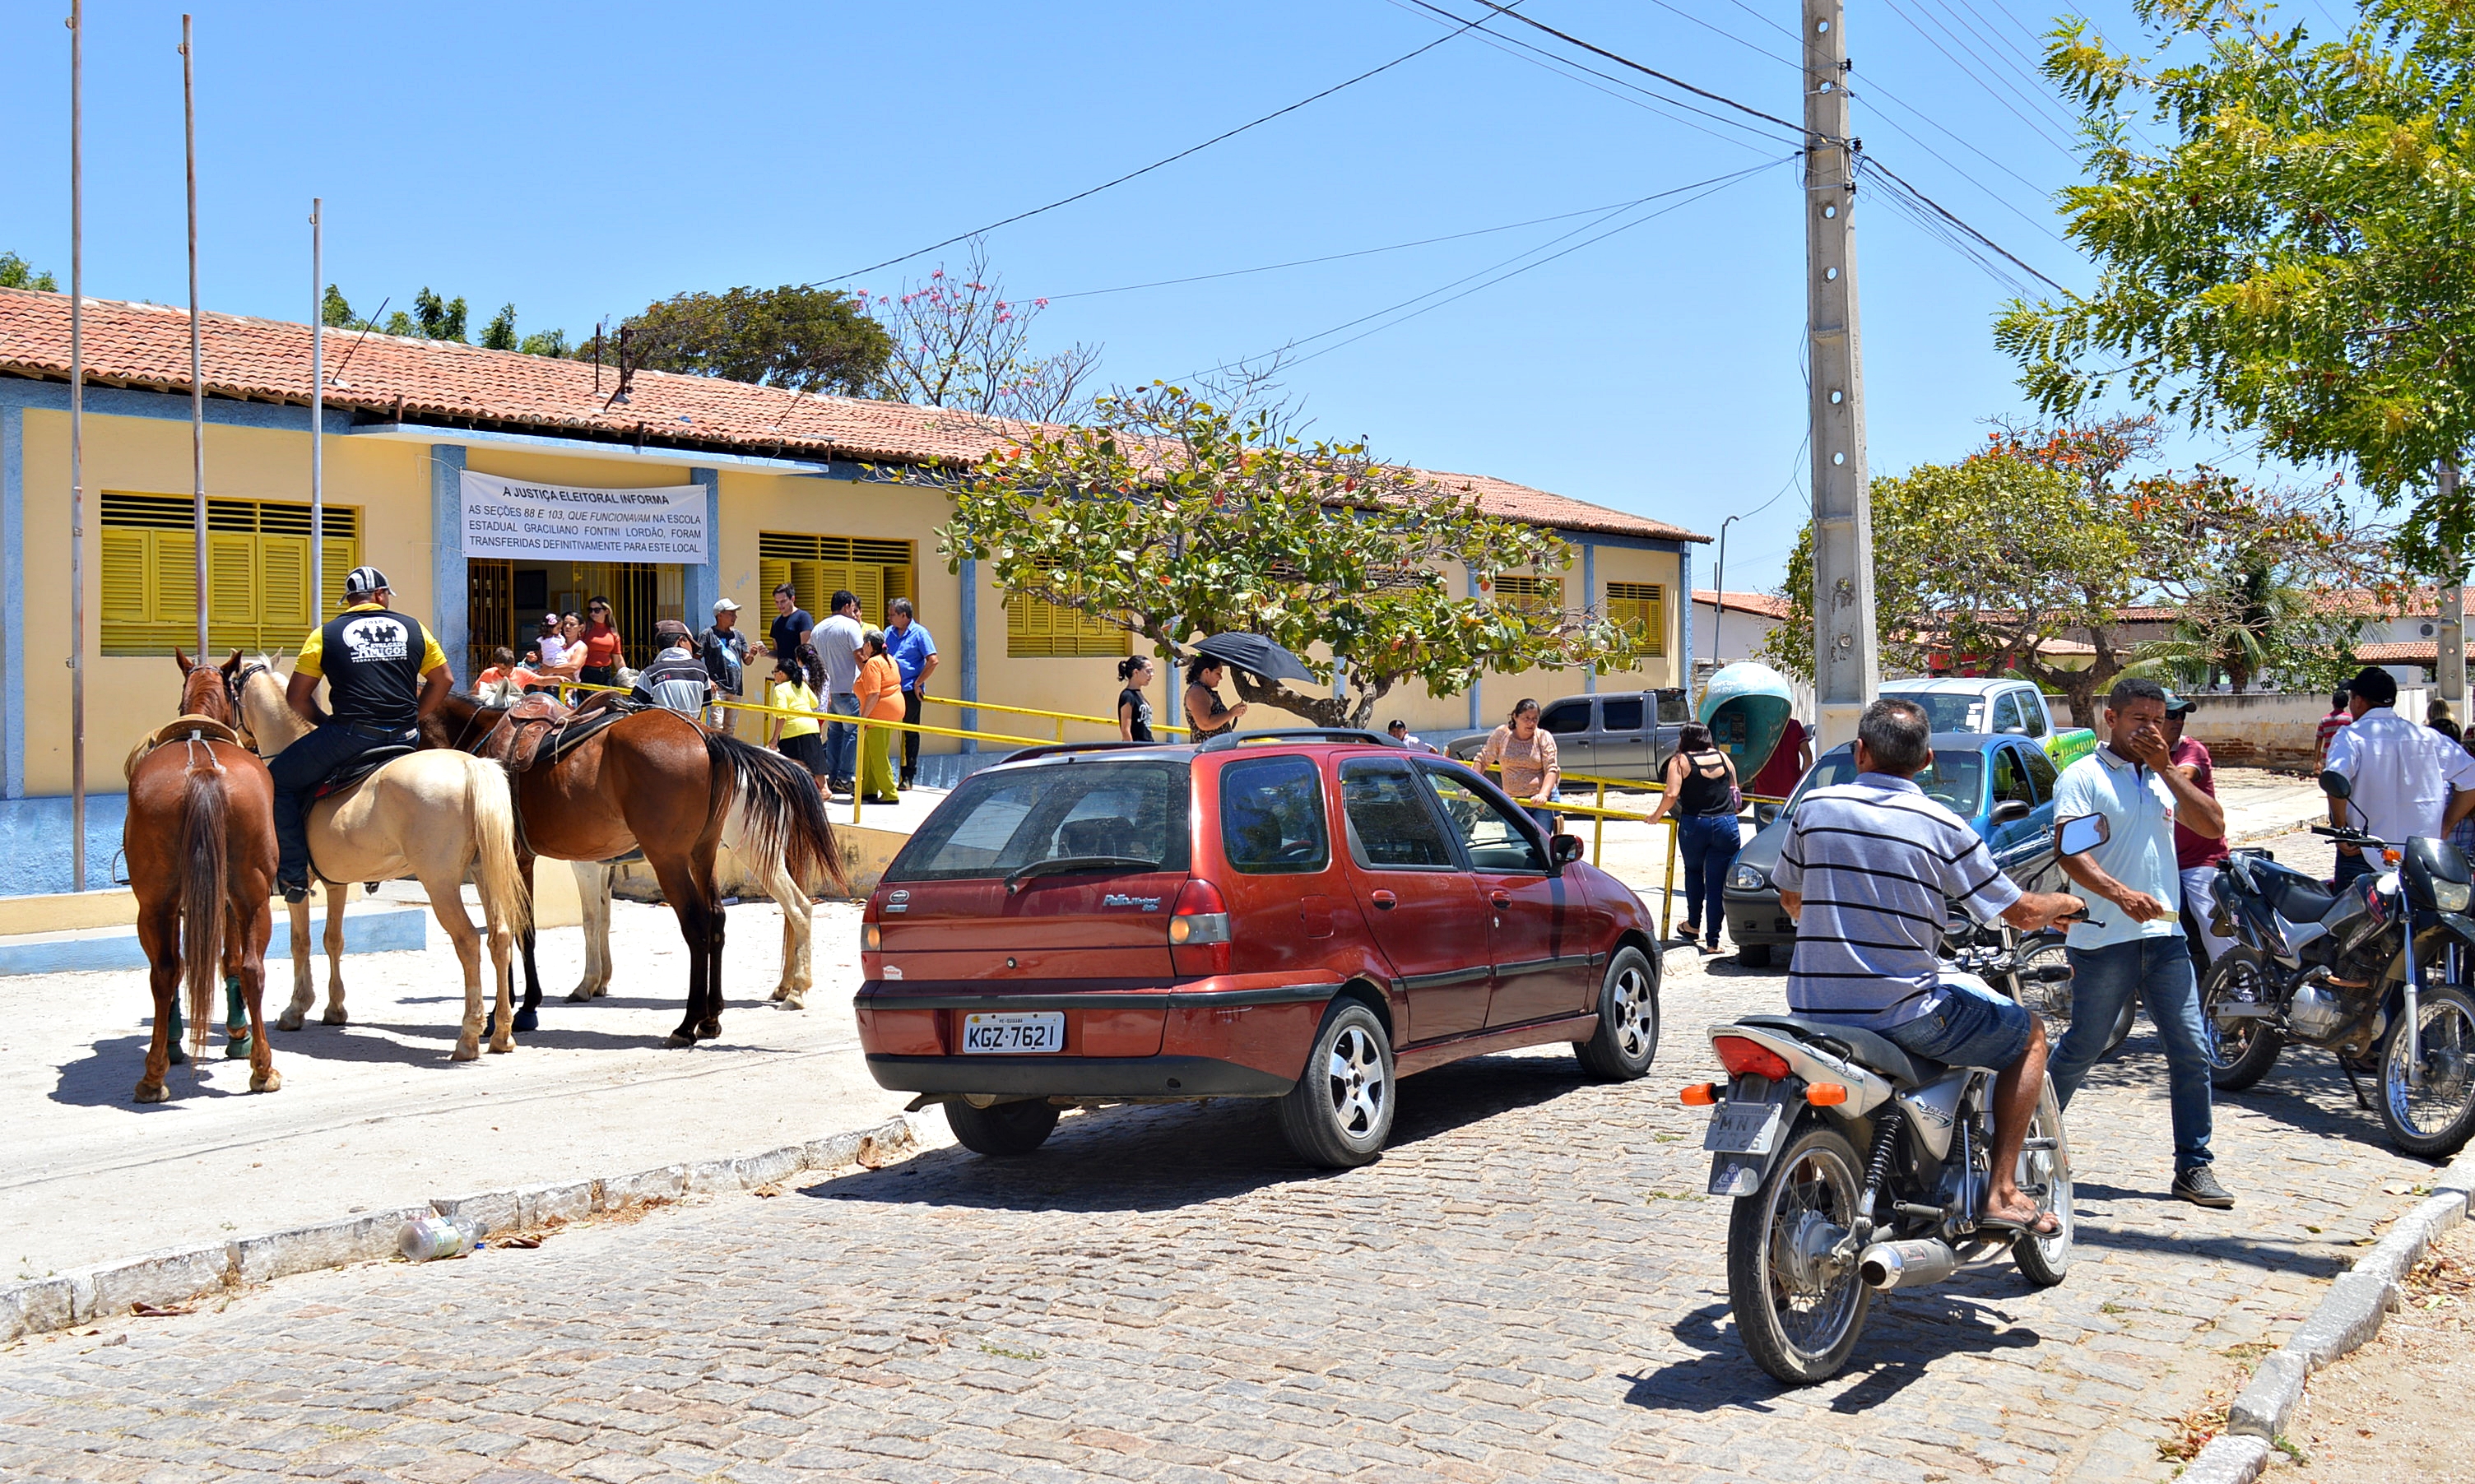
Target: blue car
(2004,786)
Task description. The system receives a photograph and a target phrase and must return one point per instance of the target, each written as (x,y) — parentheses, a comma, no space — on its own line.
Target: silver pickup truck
(1614,734)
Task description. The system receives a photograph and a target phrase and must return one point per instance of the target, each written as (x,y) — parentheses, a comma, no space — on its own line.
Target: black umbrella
(1254,653)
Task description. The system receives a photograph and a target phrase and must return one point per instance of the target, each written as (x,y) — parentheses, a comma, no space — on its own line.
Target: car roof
(1248,744)
(1949,683)
(1957,741)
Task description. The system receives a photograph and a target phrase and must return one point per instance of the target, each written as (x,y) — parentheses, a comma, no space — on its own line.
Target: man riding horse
(384,669)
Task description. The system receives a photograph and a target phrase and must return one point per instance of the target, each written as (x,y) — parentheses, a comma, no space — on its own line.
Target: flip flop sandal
(2004,1224)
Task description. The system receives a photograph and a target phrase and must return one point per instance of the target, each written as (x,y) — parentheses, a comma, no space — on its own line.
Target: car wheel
(1626,1038)
(1005,1130)
(1753,956)
(1341,1112)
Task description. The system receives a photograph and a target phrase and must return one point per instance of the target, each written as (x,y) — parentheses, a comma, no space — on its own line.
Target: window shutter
(283,591)
(342,556)
(176,583)
(231,590)
(126,558)
(771,572)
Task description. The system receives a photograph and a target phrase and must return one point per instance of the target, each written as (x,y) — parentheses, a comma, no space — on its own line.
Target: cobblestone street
(1528,1285)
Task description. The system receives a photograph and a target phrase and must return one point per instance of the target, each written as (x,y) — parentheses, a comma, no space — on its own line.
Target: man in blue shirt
(915,654)
(2132,942)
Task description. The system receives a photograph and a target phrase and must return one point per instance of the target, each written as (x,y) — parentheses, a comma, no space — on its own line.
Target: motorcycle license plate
(1007,1031)
(1743,1128)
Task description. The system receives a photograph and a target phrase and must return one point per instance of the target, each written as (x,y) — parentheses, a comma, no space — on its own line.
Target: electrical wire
(1154,165)
(1943,222)
(1626,62)
(1990,193)
(2035,127)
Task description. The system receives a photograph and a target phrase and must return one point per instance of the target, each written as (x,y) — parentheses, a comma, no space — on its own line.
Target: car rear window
(1272,817)
(1954,779)
(1006,818)
(1946,711)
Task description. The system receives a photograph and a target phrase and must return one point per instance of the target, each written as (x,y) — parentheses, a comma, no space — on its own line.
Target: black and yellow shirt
(372,659)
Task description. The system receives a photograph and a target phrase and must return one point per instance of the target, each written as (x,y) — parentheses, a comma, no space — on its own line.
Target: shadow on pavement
(1164,1157)
(1904,1334)
(108,1074)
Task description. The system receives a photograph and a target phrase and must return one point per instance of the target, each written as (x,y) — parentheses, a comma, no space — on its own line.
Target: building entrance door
(505,598)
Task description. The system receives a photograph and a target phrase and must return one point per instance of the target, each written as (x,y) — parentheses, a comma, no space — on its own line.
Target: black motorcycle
(2376,972)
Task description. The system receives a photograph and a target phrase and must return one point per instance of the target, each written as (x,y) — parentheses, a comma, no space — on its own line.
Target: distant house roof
(1766,605)
(2410,652)
(393,378)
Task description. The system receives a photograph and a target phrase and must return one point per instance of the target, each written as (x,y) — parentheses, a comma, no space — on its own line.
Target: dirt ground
(2394,1412)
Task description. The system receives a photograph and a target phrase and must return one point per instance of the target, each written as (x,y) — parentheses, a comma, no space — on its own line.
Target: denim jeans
(842,743)
(2159,971)
(2350,866)
(1709,843)
(296,772)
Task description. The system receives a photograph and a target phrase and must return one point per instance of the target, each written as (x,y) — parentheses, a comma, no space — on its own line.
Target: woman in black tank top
(1700,794)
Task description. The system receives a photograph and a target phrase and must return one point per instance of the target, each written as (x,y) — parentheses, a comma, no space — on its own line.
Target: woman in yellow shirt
(792,687)
(879,687)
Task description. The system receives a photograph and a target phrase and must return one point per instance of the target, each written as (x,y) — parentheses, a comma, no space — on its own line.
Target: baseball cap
(669,628)
(2179,705)
(725,605)
(365,579)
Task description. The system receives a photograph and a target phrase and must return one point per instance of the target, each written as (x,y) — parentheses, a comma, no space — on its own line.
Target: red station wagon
(1302,915)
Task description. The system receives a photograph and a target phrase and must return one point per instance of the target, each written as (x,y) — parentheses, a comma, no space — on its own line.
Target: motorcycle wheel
(1799,1312)
(2241,1050)
(2435,1119)
(2045,1173)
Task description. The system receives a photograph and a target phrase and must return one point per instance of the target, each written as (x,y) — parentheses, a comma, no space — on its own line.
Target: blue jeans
(2159,971)
(1709,843)
(842,743)
(2351,867)
(1970,1027)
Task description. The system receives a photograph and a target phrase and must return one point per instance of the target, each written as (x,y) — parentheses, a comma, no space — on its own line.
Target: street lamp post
(1718,598)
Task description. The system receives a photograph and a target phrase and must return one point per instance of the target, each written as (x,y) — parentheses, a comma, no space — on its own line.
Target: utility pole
(2451,641)
(1845,669)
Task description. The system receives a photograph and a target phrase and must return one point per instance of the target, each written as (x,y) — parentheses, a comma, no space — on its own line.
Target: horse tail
(205,890)
(781,813)
(490,802)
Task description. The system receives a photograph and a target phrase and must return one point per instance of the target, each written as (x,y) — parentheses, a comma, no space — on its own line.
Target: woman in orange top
(879,687)
(602,645)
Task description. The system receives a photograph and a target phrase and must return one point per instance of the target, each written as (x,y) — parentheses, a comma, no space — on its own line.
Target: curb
(176,1275)
(2348,1317)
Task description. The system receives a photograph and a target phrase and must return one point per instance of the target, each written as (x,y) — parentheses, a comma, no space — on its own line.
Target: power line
(2035,126)
(1626,62)
(1991,194)
(1946,217)
(1154,165)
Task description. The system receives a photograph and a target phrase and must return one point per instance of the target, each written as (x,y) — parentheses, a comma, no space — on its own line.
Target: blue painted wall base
(366,930)
(34,844)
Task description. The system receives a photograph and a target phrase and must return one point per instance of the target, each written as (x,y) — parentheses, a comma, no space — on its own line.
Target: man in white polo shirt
(2132,940)
(2407,780)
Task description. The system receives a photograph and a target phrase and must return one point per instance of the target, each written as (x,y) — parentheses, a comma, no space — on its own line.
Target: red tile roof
(1768,605)
(406,381)
(2410,652)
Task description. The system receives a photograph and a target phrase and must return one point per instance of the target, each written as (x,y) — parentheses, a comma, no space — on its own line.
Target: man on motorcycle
(1868,871)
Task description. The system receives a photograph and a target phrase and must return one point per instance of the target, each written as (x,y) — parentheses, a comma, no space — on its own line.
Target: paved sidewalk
(372,1114)
(1528,1285)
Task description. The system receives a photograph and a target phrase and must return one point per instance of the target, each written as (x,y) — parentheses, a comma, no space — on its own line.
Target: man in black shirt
(383,670)
(792,624)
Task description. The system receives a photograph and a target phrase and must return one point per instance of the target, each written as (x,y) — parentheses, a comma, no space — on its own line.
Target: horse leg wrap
(236,1020)
(172,1036)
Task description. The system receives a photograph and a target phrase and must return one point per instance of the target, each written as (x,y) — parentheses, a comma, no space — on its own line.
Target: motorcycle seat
(1868,1048)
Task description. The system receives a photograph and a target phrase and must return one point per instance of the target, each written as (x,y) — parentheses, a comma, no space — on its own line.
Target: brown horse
(658,782)
(200,839)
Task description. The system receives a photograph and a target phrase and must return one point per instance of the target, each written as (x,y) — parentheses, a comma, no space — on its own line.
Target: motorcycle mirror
(2078,836)
(2335,785)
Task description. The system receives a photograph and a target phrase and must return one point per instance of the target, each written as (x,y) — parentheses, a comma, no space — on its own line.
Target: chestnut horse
(655,781)
(200,840)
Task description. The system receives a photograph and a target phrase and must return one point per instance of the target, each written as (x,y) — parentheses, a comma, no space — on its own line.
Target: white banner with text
(519,520)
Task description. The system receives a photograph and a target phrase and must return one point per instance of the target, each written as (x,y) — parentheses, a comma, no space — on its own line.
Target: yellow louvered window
(818,567)
(1641,606)
(1038,630)
(1541,595)
(257,572)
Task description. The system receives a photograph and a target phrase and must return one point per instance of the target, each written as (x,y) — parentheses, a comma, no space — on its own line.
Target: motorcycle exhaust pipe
(1887,1265)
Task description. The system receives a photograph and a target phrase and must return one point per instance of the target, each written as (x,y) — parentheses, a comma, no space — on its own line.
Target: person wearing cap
(676,680)
(2404,780)
(383,671)
(2196,856)
(1399,731)
(725,650)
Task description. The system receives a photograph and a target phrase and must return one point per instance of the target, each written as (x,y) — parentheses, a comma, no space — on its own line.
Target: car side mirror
(1765,814)
(2013,811)
(2078,836)
(1565,849)
(2336,785)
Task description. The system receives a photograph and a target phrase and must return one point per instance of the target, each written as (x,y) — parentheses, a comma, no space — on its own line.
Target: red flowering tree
(1175,518)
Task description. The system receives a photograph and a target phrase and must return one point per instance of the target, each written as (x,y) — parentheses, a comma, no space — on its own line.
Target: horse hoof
(579,996)
(466,1051)
(289,1020)
(335,1016)
(528,1020)
(798,999)
(709,1029)
(152,1092)
(266,1082)
(677,1039)
(498,1046)
(781,992)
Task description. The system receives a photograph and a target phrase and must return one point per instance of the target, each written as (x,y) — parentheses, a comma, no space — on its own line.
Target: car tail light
(1199,929)
(872,937)
(1825,1094)
(1699,1095)
(1749,1058)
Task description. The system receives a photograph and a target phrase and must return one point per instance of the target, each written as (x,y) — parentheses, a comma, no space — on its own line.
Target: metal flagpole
(197,349)
(77,447)
(317,421)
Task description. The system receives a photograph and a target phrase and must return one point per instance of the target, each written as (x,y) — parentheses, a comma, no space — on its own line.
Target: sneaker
(2199,1185)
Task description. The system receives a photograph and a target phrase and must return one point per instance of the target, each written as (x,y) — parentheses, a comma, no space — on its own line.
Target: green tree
(2297,260)
(436,318)
(553,342)
(18,273)
(1174,518)
(335,311)
(958,341)
(806,339)
(500,334)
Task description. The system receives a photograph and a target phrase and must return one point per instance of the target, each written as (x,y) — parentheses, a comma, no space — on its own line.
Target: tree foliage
(1175,518)
(2297,262)
(958,341)
(803,339)
(18,273)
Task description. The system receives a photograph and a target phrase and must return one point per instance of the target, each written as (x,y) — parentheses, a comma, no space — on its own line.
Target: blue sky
(581,160)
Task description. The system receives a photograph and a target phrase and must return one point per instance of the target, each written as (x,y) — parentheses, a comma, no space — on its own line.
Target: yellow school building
(491,486)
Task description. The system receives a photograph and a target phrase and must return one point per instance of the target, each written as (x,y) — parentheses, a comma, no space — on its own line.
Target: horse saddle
(358,768)
(539,730)
(177,729)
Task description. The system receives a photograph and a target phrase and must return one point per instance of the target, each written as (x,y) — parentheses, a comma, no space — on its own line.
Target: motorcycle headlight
(1750,878)
(2452,896)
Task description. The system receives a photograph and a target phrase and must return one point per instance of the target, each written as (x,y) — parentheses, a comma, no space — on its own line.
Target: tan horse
(200,840)
(431,815)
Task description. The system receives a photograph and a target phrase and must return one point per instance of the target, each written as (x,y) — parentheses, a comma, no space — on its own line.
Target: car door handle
(1502,899)
(1385,901)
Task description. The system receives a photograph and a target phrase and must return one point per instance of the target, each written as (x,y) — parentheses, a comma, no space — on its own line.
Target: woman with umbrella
(1204,711)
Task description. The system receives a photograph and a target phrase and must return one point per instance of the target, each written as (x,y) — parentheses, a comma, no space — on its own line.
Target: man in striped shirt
(1867,872)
